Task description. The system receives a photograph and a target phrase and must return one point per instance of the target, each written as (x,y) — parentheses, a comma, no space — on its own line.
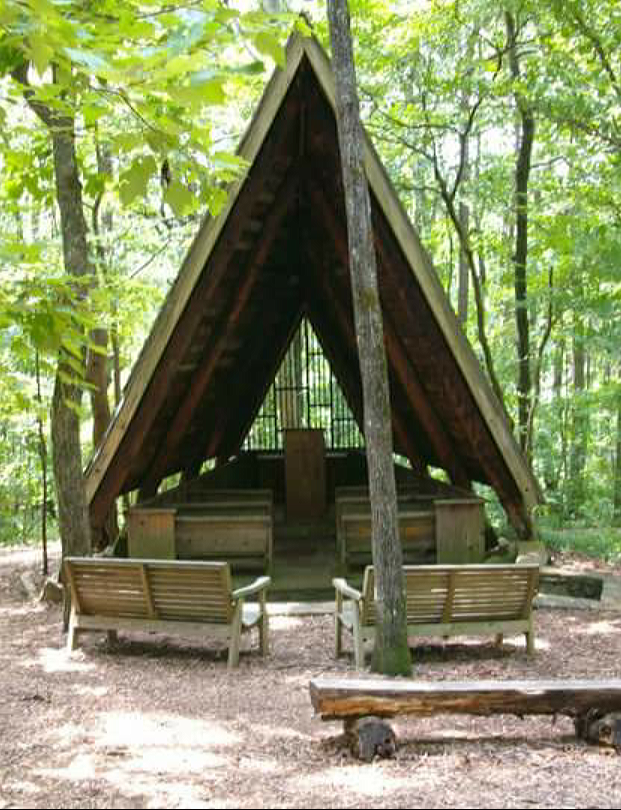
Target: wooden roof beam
(456,393)
(400,364)
(215,353)
(345,323)
(117,463)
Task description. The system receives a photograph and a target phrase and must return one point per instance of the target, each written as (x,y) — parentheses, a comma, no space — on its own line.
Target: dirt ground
(158,722)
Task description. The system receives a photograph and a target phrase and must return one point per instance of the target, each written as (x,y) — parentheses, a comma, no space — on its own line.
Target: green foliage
(601,543)
(146,84)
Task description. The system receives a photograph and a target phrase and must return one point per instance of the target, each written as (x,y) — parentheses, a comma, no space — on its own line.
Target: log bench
(173,597)
(445,600)
(594,705)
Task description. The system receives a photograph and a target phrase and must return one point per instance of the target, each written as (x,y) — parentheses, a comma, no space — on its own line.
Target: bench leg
(72,637)
(338,627)
(264,646)
(530,640)
(358,640)
(235,641)
(112,637)
(338,636)
(498,640)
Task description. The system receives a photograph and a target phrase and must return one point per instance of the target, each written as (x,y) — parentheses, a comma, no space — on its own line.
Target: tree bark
(341,699)
(580,421)
(43,458)
(617,473)
(65,422)
(522,174)
(66,446)
(97,365)
(391,654)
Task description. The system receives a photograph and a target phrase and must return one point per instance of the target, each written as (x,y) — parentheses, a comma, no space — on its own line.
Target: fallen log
(595,706)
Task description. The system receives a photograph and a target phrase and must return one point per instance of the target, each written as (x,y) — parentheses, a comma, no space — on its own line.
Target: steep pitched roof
(277,252)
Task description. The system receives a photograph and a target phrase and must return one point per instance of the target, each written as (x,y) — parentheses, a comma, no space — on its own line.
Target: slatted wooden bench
(594,705)
(445,600)
(174,597)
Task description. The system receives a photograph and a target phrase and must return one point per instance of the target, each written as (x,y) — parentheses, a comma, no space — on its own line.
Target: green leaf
(210,92)
(180,199)
(133,182)
(269,45)
(40,52)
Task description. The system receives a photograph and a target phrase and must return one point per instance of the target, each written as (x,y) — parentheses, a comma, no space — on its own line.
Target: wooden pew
(231,525)
(354,534)
(173,597)
(353,526)
(446,600)
(241,535)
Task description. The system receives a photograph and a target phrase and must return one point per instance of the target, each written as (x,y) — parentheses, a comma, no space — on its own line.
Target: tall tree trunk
(617,470)
(65,421)
(553,462)
(580,421)
(43,460)
(464,221)
(462,293)
(97,365)
(522,174)
(391,654)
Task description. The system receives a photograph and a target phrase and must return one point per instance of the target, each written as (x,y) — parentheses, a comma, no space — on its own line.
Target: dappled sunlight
(541,644)
(159,729)
(601,628)
(26,609)
(91,691)
(285,622)
(156,754)
(54,659)
(368,781)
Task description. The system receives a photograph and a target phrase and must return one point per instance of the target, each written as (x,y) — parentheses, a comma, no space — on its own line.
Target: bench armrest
(257,586)
(342,587)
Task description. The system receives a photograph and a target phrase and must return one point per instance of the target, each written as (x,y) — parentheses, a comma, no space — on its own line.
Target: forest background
(499,124)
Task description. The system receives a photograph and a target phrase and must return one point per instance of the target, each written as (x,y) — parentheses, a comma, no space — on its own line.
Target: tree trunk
(391,654)
(43,459)
(522,173)
(580,421)
(617,474)
(553,461)
(464,220)
(65,422)
(462,293)
(97,366)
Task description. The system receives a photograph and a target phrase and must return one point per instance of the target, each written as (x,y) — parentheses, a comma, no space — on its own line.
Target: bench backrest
(442,594)
(173,590)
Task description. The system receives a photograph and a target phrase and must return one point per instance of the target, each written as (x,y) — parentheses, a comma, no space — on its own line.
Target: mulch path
(158,722)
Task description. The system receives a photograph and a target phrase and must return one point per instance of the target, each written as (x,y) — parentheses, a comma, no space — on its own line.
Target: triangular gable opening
(305,394)
(279,251)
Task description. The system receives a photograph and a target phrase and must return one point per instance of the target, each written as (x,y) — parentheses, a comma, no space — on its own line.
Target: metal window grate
(304,394)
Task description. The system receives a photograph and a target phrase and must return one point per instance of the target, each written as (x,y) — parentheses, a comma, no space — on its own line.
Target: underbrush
(597,542)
